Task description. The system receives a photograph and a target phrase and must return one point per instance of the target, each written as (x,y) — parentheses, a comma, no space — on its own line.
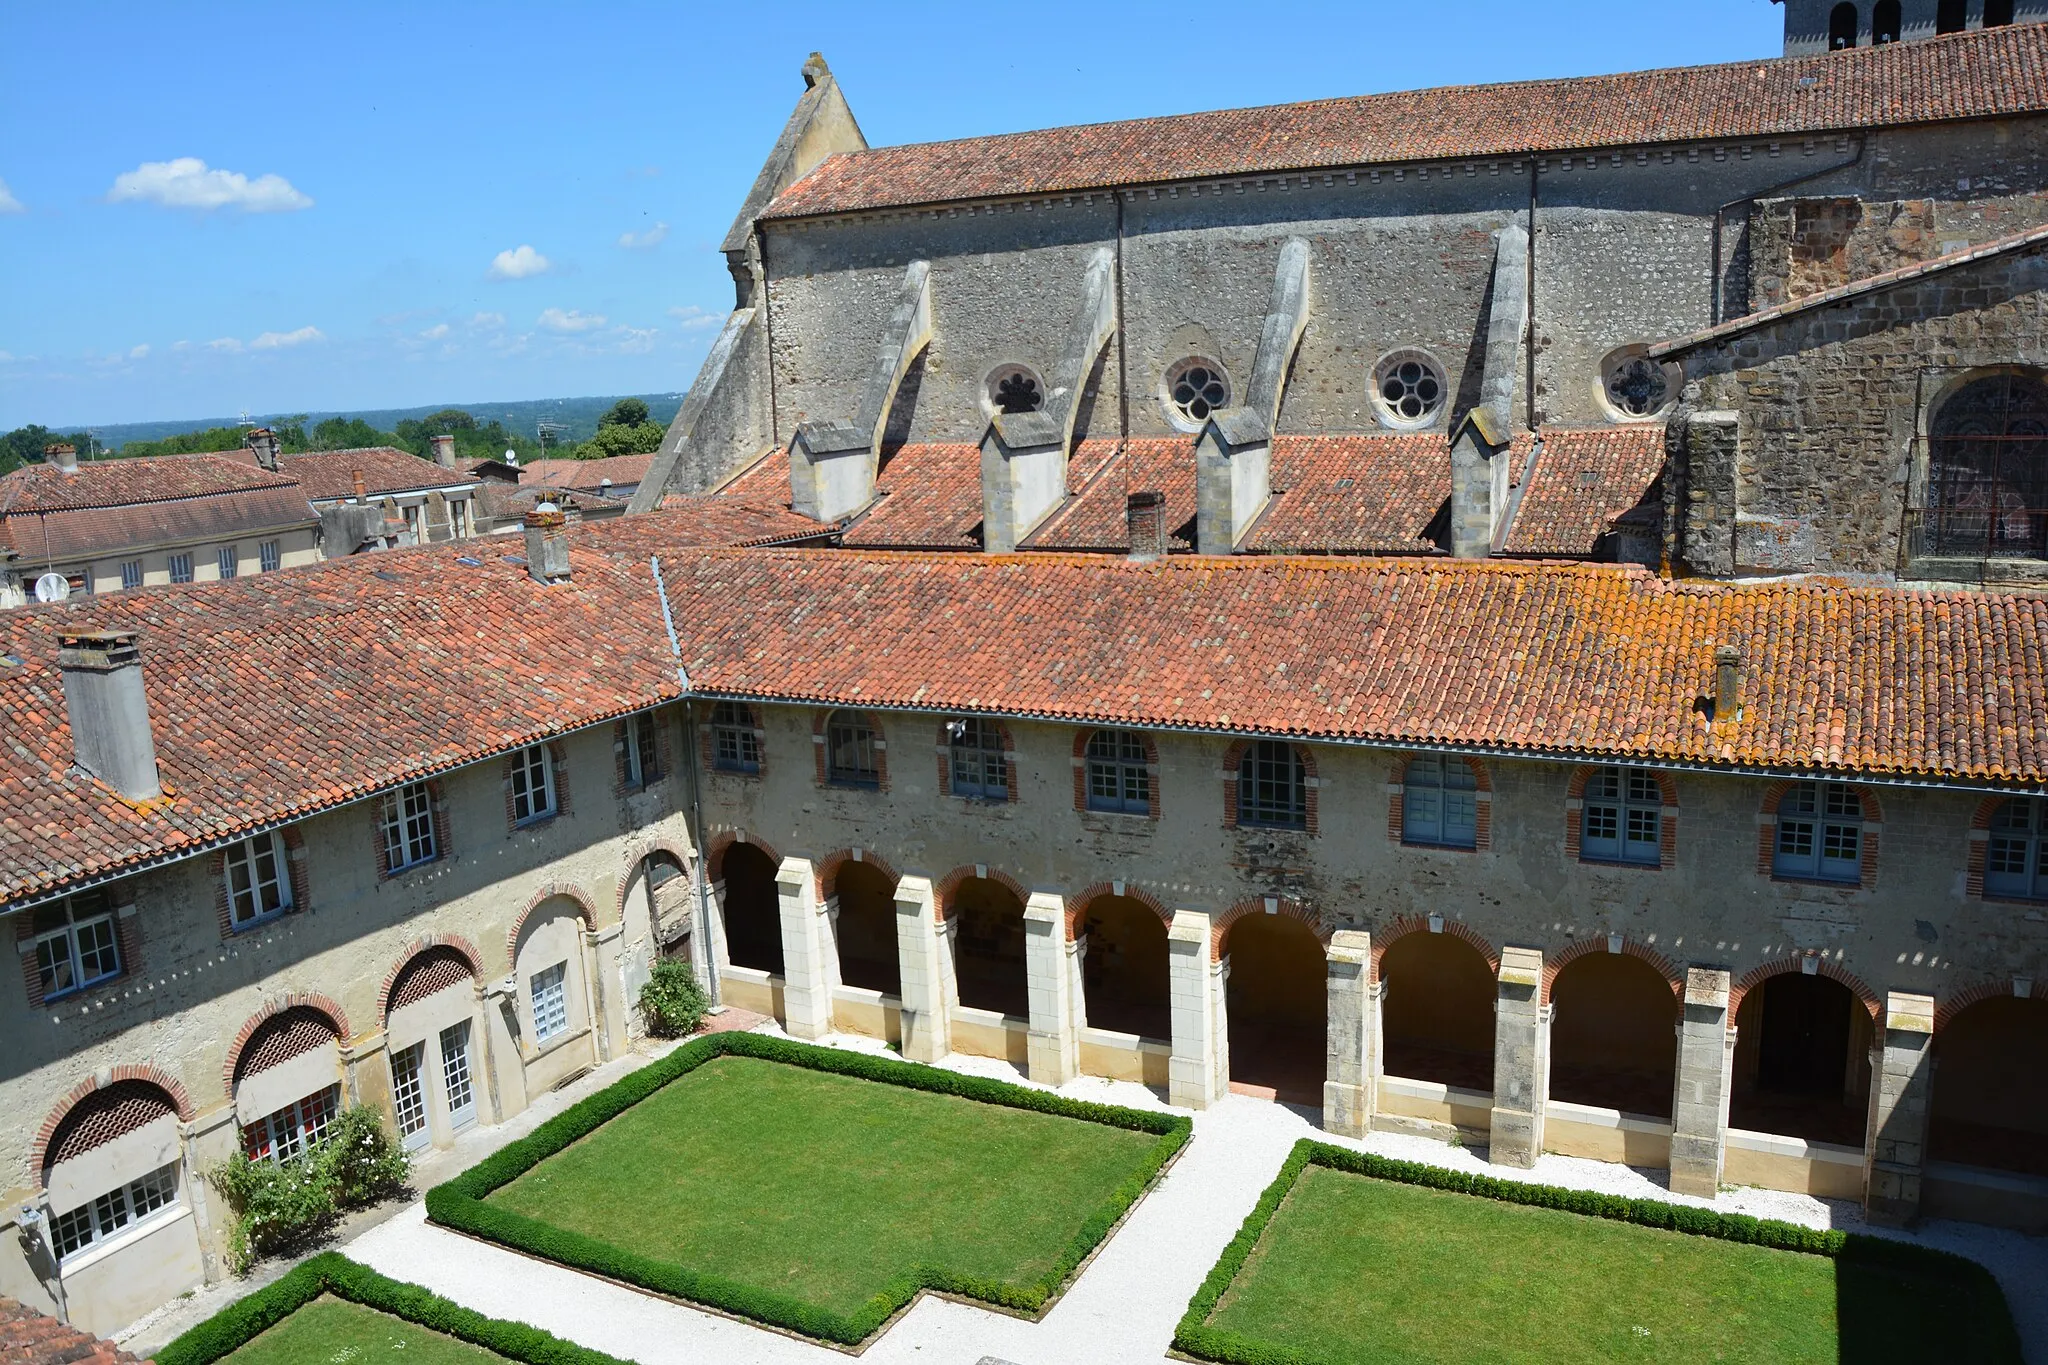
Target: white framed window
(76,946)
(409,827)
(975,751)
(533,785)
(229,559)
(2013,858)
(455,1079)
(735,745)
(294,1128)
(1820,833)
(850,755)
(1622,818)
(458,518)
(550,992)
(1118,779)
(268,558)
(120,1208)
(1272,786)
(131,574)
(643,750)
(412,522)
(409,1095)
(1439,803)
(181,568)
(259,887)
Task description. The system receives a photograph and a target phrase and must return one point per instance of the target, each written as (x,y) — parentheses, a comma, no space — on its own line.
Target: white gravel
(1123,1307)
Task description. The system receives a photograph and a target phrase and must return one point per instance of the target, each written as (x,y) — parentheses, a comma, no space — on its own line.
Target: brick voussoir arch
(1219,928)
(1078,903)
(1795,962)
(585,907)
(637,853)
(714,861)
(1955,1002)
(942,893)
(454,942)
(827,874)
(1401,926)
(1589,947)
(181,1103)
(312,1000)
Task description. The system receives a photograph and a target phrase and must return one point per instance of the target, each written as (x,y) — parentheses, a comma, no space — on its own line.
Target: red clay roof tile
(1584,478)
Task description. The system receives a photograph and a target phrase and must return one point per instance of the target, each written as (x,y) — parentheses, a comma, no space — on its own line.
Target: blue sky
(281,207)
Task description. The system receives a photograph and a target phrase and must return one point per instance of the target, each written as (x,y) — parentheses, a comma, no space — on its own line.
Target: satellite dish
(52,587)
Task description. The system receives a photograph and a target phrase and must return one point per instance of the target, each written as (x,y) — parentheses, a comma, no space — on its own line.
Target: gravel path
(1124,1306)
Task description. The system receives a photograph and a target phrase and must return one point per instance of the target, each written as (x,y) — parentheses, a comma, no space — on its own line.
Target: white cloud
(575,320)
(519,263)
(642,241)
(635,340)
(436,332)
(187,183)
(138,352)
(493,320)
(693,318)
(9,204)
(273,341)
(228,344)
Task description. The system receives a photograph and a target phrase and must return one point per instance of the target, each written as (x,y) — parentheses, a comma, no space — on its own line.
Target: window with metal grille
(120,1208)
(850,751)
(409,1094)
(292,1129)
(455,1082)
(1272,787)
(735,745)
(1440,803)
(229,559)
(2013,856)
(76,945)
(1622,819)
(131,574)
(258,887)
(1118,778)
(1820,833)
(975,752)
(643,752)
(533,785)
(1987,471)
(409,827)
(550,992)
(181,568)
(267,557)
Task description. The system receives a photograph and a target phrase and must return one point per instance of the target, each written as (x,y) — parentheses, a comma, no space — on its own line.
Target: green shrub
(672,1003)
(276,1203)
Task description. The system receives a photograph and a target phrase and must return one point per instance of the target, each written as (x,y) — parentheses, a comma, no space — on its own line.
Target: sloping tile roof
(118,483)
(1584,478)
(385,469)
(625,471)
(1374,494)
(928,496)
(1099,477)
(58,536)
(1969,75)
(701,519)
(31,1338)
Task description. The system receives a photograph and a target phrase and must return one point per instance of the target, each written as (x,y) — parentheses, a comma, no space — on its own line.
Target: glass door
(409,1096)
(455,1078)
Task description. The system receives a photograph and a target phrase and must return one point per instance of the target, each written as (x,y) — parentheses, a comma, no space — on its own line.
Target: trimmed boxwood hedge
(333,1273)
(459,1204)
(1197,1338)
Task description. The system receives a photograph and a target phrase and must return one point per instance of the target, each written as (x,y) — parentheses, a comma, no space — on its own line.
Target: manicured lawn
(330,1331)
(1354,1269)
(825,1187)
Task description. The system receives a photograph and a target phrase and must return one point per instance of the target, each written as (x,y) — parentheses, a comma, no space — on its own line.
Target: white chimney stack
(64,457)
(444,451)
(547,545)
(108,710)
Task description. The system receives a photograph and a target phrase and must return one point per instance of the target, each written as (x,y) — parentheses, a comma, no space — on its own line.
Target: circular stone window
(1195,388)
(1014,388)
(1408,388)
(1634,387)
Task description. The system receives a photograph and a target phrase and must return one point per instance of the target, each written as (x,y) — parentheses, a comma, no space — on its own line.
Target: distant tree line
(623,430)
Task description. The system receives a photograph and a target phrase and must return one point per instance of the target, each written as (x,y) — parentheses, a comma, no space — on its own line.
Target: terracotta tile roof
(1584,478)
(332,473)
(118,483)
(58,536)
(703,519)
(625,471)
(1099,477)
(928,496)
(1970,75)
(31,1338)
(1373,494)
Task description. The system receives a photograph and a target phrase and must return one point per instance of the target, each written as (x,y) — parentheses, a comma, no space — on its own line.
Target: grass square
(331,1331)
(1354,1269)
(828,1188)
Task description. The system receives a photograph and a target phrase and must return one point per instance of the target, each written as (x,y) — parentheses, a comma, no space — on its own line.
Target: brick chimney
(1727,682)
(362,489)
(109,712)
(1145,518)
(444,451)
(64,457)
(263,442)
(547,545)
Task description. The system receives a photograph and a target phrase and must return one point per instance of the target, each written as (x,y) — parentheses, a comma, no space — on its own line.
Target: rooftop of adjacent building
(31,1338)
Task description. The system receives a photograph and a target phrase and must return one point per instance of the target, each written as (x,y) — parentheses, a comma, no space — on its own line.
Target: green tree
(448,420)
(627,412)
(349,433)
(617,439)
(24,445)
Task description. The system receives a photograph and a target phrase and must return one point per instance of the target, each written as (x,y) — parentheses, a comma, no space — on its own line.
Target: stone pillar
(1900,1075)
(608,988)
(1219,995)
(1053,1051)
(1351,1074)
(1521,1059)
(1702,1084)
(503,1046)
(806,951)
(927,968)
(1190,972)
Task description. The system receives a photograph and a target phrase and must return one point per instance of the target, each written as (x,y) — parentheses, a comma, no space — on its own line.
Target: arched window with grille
(1820,833)
(2013,865)
(850,759)
(1987,469)
(1272,786)
(974,756)
(1118,778)
(1439,803)
(1622,819)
